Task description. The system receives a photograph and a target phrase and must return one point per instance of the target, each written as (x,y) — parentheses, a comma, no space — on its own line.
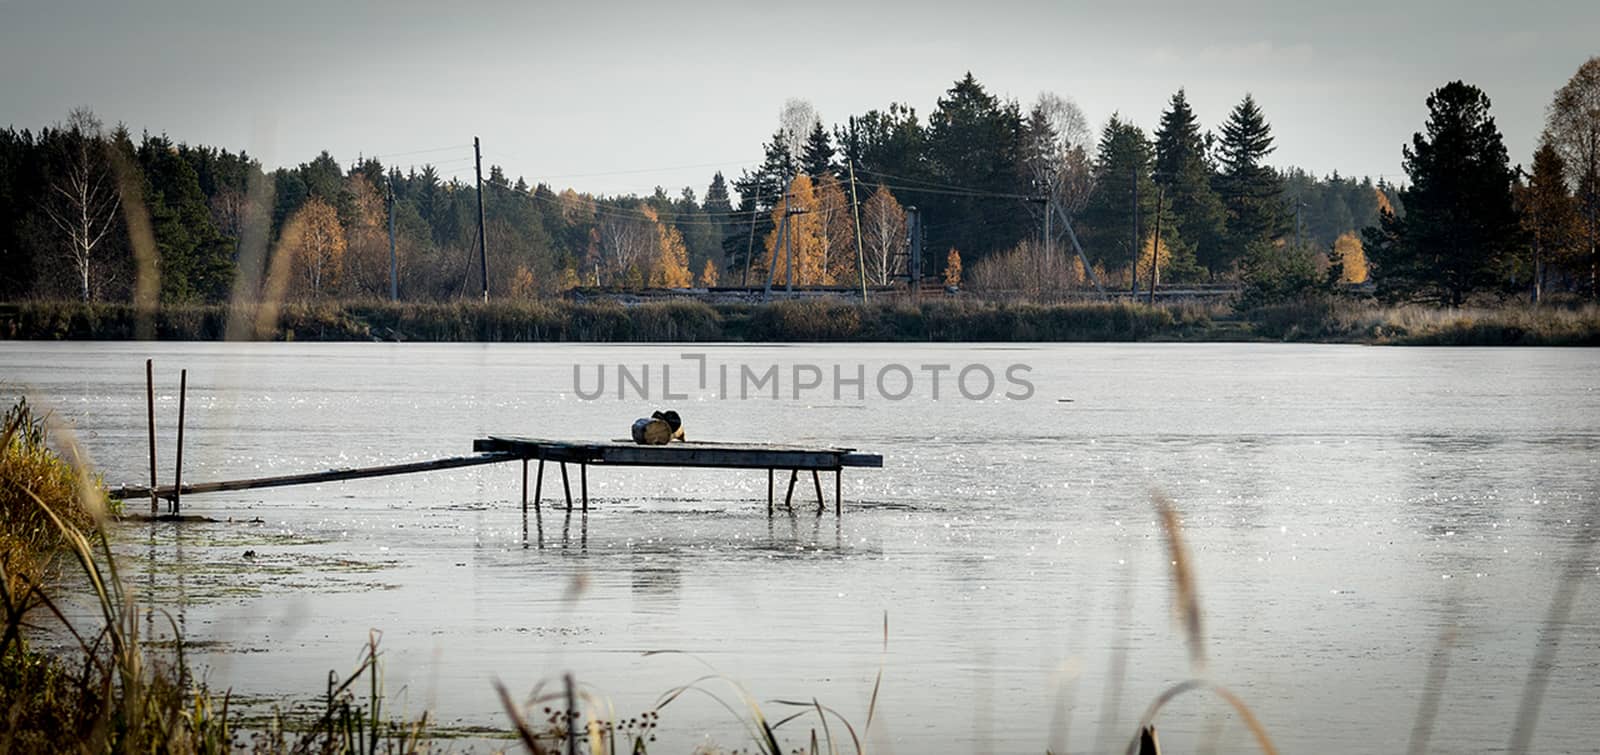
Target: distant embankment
(830,320)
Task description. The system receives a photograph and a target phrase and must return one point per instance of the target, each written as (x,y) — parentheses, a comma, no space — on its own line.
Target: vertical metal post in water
(566,486)
(150,406)
(538,488)
(177,472)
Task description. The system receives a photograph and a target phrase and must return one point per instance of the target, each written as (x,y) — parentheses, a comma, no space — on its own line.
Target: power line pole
(1155,245)
(1135,276)
(772,263)
(914,239)
(861,262)
(394,266)
(483,246)
(1082,258)
(750,245)
(789,246)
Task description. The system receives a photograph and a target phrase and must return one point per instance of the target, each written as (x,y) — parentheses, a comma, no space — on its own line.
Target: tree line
(1013,191)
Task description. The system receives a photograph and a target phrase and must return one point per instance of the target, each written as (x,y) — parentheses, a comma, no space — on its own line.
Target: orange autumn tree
(806,237)
(708,275)
(1163,259)
(670,269)
(1347,249)
(952,269)
(836,228)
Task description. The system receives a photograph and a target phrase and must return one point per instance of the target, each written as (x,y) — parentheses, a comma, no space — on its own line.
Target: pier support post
(177,472)
(538,485)
(566,486)
(817,483)
(769,492)
(788,498)
(583,482)
(524,487)
(838,499)
(150,409)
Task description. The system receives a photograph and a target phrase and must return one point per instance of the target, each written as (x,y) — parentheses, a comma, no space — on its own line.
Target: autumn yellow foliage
(820,235)
(1163,259)
(1347,248)
(952,269)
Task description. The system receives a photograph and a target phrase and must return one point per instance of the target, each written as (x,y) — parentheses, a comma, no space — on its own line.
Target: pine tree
(1181,167)
(1251,192)
(1460,227)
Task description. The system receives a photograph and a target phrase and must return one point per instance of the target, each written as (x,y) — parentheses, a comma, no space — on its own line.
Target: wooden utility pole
(1134,289)
(914,240)
(483,247)
(1155,245)
(394,265)
(861,262)
(750,244)
(772,262)
(788,249)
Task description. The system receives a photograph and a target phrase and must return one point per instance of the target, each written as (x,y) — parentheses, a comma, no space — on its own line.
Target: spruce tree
(1181,167)
(975,149)
(817,159)
(1251,192)
(1122,161)
(1460,226)
(717,204)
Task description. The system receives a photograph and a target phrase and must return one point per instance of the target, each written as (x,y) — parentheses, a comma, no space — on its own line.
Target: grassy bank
(1338,321)
(656,322)
(820,320)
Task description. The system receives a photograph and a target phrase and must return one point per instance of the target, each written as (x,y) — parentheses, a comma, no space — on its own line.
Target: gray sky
(620,97)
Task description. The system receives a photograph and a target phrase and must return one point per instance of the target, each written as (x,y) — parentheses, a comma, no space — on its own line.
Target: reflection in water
(566,531)
(656,584)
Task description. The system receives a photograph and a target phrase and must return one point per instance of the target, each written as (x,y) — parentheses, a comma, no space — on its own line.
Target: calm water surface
(1345,506)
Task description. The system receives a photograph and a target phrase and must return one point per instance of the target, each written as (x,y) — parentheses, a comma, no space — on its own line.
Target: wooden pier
(679,454)
(499,450)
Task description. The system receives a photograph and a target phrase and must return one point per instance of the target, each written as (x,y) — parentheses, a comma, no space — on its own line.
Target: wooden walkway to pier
(499,450)
(679,454)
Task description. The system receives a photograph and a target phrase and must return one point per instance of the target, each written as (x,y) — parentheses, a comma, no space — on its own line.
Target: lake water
(1346,507)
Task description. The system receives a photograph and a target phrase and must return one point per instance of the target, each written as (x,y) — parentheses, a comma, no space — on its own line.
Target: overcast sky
(618,97)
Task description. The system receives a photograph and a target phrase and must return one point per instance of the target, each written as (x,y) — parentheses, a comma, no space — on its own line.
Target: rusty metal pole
(177,473)
(150,408)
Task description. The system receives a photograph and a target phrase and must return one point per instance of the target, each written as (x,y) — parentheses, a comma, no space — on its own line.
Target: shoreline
(816,320)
